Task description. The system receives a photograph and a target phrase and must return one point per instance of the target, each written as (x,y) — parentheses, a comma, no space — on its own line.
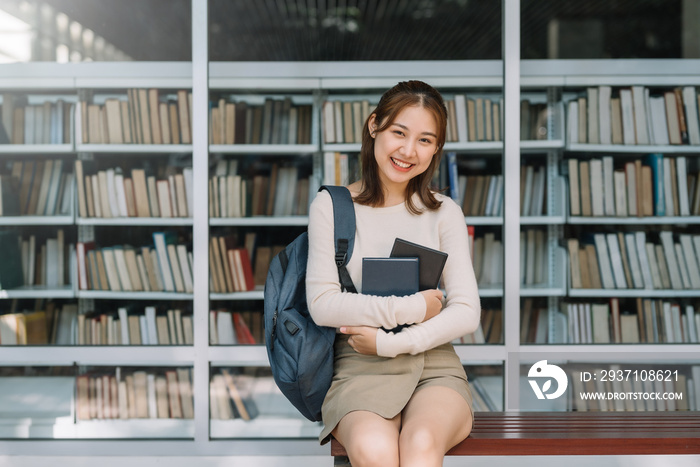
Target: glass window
(555,29)
(355,30)
(90,30)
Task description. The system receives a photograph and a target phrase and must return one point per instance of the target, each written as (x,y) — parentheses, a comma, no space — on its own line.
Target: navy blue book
(390,276)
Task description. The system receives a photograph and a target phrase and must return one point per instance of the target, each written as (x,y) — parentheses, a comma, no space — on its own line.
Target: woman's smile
(400,165)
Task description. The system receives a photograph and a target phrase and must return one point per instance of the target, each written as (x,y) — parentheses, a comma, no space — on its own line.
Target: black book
(432,261)
(11,265)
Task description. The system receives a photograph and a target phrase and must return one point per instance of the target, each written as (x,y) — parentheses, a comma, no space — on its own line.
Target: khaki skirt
(385,385)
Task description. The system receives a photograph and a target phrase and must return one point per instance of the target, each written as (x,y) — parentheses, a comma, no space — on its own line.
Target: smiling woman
(408,125)
(396,394)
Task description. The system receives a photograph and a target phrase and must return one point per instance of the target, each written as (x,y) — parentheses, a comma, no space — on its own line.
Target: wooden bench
(573,433)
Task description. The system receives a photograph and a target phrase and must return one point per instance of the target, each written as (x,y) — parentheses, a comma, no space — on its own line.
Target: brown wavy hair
(404,94)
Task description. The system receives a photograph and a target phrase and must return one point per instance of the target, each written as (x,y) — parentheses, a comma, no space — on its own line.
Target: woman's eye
(398,132)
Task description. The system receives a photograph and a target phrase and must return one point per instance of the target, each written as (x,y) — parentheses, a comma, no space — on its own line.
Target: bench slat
(577,433)
(576,446)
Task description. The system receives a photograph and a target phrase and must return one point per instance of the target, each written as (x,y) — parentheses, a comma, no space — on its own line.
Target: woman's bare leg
(434,420)
(369,439)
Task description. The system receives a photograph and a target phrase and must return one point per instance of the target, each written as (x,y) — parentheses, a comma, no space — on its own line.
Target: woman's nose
(408,148)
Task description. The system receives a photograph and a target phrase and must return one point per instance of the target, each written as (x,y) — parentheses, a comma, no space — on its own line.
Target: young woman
(396,398)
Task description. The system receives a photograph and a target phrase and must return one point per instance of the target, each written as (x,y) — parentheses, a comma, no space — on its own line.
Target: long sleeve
(328,305)
(462,310)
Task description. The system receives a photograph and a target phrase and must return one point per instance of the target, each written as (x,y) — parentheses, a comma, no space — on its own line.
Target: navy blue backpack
(300,351)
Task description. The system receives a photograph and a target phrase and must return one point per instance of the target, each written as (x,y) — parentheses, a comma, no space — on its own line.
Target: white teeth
(403,165)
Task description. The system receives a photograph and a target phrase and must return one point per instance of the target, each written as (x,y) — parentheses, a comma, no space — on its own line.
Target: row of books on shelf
(649,321)
(610,322)
(469,119)
(29,328)
(124,328)
(27,262)
(634,115)
(343,121)
(235,327)
(35,187)
(642,320)
(490,330)
(628,261)
(153,394)
(231,265)
(165,267)
(279,192)
(487,257)
(276,121)
(534,120)
(44,323)
(533,190)
(239,394)
(683,391)
(231,396)
(109,193)
(482,195)
(657,185)
(64,325)
(533,257)
(143,116)
(533,323)
(339,168)
(27,123)
(601,115)
(478,195)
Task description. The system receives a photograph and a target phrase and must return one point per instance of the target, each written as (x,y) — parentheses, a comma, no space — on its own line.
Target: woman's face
(406,148)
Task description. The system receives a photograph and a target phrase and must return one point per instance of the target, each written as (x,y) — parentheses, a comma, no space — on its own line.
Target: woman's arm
(329,306)
(462,311)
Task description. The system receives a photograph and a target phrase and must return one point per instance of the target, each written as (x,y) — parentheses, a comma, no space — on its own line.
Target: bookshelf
(570,80)
(544,82)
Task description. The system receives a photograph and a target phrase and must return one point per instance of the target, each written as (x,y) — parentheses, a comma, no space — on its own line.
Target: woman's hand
(363,339)
(433,303)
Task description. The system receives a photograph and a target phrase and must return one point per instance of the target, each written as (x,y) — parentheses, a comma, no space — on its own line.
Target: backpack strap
(344,232)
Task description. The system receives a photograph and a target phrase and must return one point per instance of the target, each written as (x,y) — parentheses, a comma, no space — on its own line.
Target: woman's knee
(420,441)
(373,449)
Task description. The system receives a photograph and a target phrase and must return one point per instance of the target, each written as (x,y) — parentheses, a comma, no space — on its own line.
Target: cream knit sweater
(377,228)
